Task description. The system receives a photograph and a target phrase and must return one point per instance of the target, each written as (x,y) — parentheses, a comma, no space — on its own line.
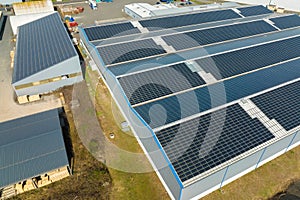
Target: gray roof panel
(40,45)
(33,147)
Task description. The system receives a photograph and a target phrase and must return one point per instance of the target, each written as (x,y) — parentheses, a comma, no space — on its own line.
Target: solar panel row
(159,82)
(202,99)
(286,22)
(231,64)
(282,104)
(200,144)
(209,36)
(254,10)
(107,31)
(186,20)
(129,51)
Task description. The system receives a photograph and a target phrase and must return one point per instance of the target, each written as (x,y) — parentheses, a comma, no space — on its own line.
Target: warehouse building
(33,153)
(145,10)
(45,57)
(292,5)
(210,96)
(26,12)
(9,2)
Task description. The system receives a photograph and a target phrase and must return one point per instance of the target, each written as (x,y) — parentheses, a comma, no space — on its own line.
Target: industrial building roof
(202,81)
(41,44)
(31,146)
(145,10)
(286,4)
(32,7)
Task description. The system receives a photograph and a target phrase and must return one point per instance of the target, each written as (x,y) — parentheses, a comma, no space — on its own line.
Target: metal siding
(276,147)
(203,185)
(296,139)
(4,2)
(243,165)
(68,66)
(48,87)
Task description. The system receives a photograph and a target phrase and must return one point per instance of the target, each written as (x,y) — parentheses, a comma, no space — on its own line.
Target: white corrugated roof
(33,7)
(293,5)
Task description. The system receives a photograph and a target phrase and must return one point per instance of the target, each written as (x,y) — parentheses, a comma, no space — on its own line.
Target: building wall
(4,2)
(16,21)
(70,66)
(48,87)
(131,13)
(240,168)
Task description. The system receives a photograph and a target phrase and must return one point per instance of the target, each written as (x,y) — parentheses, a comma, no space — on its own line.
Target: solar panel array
(228,132)
(230,64)
(46,46)
(186,20)
(204,98)
(254,10)
(129,51)
(282,104)
(286,22)
(219,34)
(159,82)
(107,31)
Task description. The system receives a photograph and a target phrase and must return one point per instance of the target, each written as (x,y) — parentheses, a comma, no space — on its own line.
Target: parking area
(9,109)
(106,12)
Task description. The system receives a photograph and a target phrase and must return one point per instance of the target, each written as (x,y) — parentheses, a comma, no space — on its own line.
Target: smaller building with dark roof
(33,153)
(45,57)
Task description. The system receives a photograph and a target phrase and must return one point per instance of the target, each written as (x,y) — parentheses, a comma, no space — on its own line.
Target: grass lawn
(264,182)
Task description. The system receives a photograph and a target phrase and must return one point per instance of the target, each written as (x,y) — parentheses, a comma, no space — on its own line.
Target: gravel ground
(106,12)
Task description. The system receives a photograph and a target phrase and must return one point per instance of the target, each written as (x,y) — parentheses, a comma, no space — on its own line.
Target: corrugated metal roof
(31,146)
(41,44)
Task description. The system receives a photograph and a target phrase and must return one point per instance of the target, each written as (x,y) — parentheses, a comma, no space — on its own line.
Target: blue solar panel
(282,104)
(254,10)
(159,82)
(191,19)
(185,104)
(219,34)
(286,22)
(227,132)
(230,64)
(107,31)
(129,51)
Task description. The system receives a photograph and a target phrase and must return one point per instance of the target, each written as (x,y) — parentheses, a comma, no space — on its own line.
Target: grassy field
(264,182)
(90,179)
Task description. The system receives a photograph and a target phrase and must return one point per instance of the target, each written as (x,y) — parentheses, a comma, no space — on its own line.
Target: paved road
(9,109)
